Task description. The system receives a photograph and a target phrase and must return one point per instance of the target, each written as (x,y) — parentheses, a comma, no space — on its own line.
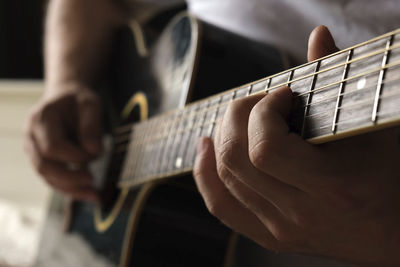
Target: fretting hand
(338,200)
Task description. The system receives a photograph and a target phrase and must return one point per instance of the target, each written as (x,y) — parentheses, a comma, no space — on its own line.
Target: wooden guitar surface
(160,223)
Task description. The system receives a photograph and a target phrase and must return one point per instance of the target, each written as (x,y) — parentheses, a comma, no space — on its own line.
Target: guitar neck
(353,91)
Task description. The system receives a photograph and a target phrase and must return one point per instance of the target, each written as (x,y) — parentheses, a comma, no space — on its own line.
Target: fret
(135,148)
(142,161)
(390,103)
(242,92)
(167,142)
(183,147)
(340,92)
(280,79)
(223,105)
(259,86)
(357,102)
(147,154)
(127,168)
(234,92)
(215,104)
(155,147)
(357,88)
(380,79)
(195,134)
(161,138)
(176,162)
(309,97)
(322,103)
(290,77)
(249,90)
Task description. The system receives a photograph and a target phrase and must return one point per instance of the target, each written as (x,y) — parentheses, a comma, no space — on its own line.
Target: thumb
(90,125)
(320,43)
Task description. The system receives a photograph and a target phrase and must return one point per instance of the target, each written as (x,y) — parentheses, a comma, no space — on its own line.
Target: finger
(233,160)
(275,150)
(90,126)
(320,43)
(221,203)
(76,183)
(53,143)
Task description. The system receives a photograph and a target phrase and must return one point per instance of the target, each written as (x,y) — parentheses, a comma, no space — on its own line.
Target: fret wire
(309,96)
(166,128)
(214,116)
(145,155)
(353,77)
(356,119)
(250,89)
(320,88)
(141,160)
(268,85)
(397,63)
(133,162)
(308,75)
(341,88)
(196,134)
(337,66)
(361,102)
(380,79)
(393,81)
(176,159)
(167,144)
(189,134)
(335,97)
(290,77)
(171,158)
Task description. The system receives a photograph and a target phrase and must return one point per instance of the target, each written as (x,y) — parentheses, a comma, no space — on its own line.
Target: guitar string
(378,38)
(359,103)
(396,94)
(369,87)
(151,139)
(366,119)
(218,106)
(123,129)
(124,137)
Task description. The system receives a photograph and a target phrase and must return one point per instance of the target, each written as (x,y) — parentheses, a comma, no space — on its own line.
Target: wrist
(53,89)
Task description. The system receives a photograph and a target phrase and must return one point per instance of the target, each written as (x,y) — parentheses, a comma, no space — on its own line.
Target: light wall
(23,195)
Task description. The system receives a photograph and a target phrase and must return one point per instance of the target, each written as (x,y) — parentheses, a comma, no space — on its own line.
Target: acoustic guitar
(151,213)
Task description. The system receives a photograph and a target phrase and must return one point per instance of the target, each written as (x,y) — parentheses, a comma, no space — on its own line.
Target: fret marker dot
(178,162)
(361,83)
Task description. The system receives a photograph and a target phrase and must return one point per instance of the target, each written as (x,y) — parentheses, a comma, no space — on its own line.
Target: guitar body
(160,223)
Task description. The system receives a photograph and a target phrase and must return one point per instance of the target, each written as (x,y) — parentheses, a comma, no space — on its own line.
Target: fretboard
(353,91)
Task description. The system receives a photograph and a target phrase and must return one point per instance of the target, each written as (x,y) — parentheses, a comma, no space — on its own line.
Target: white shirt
(288,23)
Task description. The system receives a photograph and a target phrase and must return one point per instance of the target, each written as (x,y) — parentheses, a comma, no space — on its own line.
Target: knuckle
(262,153)
(300,218)
(225,175)
(228,152)
(286,240)
(48,148)
(216,208)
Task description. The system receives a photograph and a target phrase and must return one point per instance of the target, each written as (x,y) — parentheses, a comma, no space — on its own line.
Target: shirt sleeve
(143,10)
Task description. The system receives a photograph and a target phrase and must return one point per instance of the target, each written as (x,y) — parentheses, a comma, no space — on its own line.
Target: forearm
(77,39)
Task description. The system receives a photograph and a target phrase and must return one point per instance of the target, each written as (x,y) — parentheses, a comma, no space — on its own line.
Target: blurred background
(23,196)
